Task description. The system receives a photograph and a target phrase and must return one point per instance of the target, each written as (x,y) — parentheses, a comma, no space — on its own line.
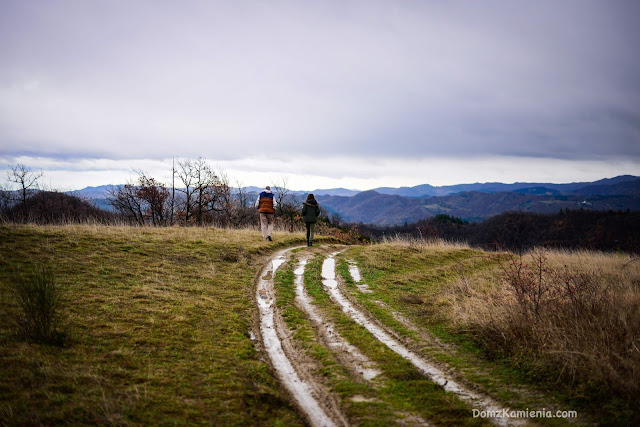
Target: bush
(40,300)
(580,325)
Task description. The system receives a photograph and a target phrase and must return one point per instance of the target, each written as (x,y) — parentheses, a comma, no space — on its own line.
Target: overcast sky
(354,94)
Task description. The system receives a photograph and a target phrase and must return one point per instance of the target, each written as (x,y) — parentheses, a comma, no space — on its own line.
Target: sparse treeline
(197,194)
(201,196)
(521,231)
(28,201)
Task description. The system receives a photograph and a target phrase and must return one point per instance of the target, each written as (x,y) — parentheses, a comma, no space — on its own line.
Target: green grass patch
(158,321)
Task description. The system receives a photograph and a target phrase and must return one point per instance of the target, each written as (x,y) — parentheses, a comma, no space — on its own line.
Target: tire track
(449,384)
(304,392)
(317,404)
(347,353)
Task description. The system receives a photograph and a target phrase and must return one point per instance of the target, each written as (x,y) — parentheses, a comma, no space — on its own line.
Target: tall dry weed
(573,317)
(421,244)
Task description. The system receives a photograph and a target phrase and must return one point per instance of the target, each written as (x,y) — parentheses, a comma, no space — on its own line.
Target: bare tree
(173,190)
(336,219)
(5,200)
(27,181)
(154,195)
(185,175)
(203,191)
(125,200)
(288,203)
(207,196)
(144,201)
(227,201)
(234,204)
(243,212)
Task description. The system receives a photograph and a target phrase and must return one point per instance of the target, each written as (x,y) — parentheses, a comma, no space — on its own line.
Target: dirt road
(319,405)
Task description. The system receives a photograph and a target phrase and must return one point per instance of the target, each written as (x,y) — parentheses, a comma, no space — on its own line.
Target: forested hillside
(519,231)
(372,207)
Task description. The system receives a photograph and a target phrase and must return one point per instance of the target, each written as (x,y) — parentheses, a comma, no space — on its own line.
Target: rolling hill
(471,202)
(384,209)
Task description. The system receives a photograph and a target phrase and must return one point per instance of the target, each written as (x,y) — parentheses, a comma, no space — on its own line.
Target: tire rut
(348,354)
(318,405)
(315,404)
(430,370)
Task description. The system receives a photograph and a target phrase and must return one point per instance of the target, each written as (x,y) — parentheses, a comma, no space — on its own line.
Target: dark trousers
(311,226)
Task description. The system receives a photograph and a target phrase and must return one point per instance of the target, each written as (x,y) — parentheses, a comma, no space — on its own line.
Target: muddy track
(314,400)
(317,405)
(348,354)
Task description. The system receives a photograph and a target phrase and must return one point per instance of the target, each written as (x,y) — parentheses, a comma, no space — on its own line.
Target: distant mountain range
(426,190)
(471,202)
(475,202)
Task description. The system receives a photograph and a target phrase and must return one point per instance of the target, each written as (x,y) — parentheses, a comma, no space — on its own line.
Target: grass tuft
(40,299)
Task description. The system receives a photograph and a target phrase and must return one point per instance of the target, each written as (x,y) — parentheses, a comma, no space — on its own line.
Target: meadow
(564,324)
(160,325)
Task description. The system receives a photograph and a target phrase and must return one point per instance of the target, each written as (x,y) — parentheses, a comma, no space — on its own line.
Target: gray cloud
(225,80)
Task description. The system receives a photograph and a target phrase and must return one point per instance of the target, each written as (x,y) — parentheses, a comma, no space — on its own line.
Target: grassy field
(157,329)
(157,322)
(563,324)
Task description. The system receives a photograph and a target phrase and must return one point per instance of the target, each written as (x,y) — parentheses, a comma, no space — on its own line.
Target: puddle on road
(363,365)
(354,271)
(300,390)
(431,371)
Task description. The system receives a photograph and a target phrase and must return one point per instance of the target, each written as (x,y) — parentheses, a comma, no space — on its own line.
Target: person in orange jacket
(266,205)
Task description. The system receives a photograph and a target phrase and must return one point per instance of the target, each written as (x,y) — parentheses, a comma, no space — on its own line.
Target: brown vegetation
(570,317)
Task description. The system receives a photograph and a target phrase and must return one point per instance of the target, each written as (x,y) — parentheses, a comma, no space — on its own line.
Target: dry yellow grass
(579,322)
(416,243)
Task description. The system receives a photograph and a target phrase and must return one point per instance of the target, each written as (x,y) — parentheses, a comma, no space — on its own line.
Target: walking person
(266,205)
(310,213)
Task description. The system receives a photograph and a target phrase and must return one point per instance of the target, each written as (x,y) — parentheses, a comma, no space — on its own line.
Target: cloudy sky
(354,94)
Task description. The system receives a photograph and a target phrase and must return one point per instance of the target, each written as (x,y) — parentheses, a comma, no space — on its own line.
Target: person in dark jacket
(310,213)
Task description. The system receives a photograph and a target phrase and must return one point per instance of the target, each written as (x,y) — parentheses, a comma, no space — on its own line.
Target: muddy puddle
(354,271)
(300,390)
(474,399)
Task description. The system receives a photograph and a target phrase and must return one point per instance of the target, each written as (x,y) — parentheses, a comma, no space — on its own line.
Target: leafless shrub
(289,205)
(583,325)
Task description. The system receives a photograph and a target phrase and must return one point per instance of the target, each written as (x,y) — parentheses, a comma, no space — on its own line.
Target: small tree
(227,201)
(125,200)
(145,202)
(5,200)
(243,211)
(27,182)
(288,203)
(185,173)
(155,196)
(336,219)
(203,191)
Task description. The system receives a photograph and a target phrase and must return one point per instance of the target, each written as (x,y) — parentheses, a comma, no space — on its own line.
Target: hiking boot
(269,238)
